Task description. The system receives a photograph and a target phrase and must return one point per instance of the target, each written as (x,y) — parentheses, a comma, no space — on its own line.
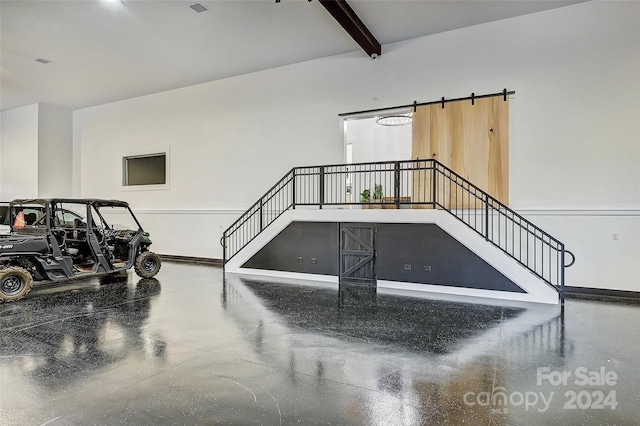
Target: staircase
(412,184)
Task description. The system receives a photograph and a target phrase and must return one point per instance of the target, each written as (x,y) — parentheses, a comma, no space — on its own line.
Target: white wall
(55,128)
(19,153)
(1,117)
(575,127)
(373,142)
(602,262)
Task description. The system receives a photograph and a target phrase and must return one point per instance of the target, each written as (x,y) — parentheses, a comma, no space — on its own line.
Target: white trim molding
(578,212)
(237,212)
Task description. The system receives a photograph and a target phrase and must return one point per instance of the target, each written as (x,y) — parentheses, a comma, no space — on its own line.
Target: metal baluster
(321,187)
(562,274)
(513,235)
(293,189)
(542,254)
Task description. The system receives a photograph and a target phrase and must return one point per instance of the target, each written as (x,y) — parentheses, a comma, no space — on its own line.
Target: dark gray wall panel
(308,240)
(427,245)
(397,245)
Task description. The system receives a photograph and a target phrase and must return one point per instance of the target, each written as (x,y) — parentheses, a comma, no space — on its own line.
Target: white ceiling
(103,52)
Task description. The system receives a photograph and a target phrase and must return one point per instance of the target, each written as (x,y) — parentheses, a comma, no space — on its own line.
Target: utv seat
(30,218)
(61,239)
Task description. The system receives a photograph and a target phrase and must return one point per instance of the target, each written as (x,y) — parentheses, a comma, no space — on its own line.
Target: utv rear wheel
(15,282)
(147,264)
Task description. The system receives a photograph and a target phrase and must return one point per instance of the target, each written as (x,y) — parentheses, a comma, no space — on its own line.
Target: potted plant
(366,200)
(377,192)
(365,196)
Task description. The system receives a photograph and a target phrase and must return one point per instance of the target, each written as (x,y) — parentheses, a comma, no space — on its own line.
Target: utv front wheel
(147,264)
(15,282)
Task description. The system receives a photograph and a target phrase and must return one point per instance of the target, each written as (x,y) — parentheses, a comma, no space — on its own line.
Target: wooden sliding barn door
(472,140)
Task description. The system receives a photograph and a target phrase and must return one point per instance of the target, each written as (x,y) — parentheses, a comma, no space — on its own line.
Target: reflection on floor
(188,348)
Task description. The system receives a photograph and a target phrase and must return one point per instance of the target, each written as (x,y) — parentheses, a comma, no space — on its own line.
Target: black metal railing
(405,184)
(278,199)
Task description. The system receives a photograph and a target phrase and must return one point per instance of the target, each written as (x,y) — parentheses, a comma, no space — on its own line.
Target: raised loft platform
(415,249)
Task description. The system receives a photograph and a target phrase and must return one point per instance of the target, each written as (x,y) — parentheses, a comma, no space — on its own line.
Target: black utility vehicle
(58,239)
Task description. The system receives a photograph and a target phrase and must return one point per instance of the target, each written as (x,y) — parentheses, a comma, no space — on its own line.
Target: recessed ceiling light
(198,7)
(43,61)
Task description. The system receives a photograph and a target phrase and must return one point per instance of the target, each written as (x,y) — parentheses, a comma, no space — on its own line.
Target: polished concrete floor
(189,349)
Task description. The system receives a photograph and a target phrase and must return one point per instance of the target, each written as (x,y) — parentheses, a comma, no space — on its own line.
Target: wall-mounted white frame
(166,152)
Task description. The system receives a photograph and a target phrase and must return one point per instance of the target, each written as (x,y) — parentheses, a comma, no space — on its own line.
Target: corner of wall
(19,140)
(55,151)
(76,158)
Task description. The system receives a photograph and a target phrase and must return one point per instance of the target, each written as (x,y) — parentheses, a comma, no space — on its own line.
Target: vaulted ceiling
(102,51)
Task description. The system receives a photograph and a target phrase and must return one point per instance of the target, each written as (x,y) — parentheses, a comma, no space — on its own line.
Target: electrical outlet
(313,261)
(615,237)
(427,268)
(300,260)
(407,267)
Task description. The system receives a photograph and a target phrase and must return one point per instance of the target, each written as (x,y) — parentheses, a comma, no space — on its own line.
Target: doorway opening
(365,141)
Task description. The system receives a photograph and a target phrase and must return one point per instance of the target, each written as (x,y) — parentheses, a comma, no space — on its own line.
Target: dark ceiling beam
(346,17)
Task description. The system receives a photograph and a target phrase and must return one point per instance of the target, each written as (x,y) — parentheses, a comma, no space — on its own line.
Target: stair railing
(532,247)
(277,200)
(405,184)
